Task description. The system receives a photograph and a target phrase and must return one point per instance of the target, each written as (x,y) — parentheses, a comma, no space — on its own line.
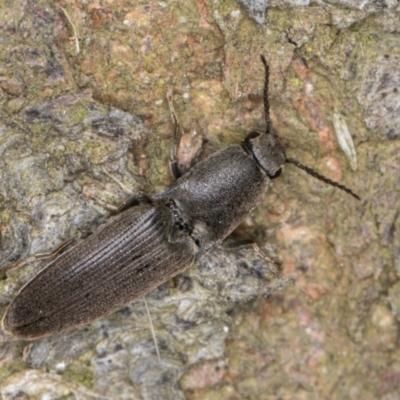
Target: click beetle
(153,238)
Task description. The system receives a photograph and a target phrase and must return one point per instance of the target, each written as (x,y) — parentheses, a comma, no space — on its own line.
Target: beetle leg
(268,258)
(176,169)
(65,245)
(53,253)
(60,249)
(247,243)
(134,201)
(234,244)
(187,150)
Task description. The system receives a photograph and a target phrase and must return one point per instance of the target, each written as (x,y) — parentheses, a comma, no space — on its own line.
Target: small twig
(74,30)
(153,333)
(122,186)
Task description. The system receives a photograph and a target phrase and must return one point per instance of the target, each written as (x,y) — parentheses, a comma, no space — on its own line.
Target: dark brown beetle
(154,239)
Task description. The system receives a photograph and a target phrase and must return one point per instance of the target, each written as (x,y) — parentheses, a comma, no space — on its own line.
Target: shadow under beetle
(153,239)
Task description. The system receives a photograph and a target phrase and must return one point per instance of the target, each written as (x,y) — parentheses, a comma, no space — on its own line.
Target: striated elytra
(153,240)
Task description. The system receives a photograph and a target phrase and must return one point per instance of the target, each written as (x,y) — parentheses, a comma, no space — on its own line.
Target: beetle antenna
(266,100)
(293,161)
(322,178)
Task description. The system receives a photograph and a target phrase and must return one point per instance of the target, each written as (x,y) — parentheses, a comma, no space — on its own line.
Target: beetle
(153,238)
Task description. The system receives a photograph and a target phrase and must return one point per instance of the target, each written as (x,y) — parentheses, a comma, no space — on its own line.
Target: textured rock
(77,131)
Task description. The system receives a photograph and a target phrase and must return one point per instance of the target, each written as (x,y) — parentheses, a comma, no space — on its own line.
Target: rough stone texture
(257,9)
(76,129)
